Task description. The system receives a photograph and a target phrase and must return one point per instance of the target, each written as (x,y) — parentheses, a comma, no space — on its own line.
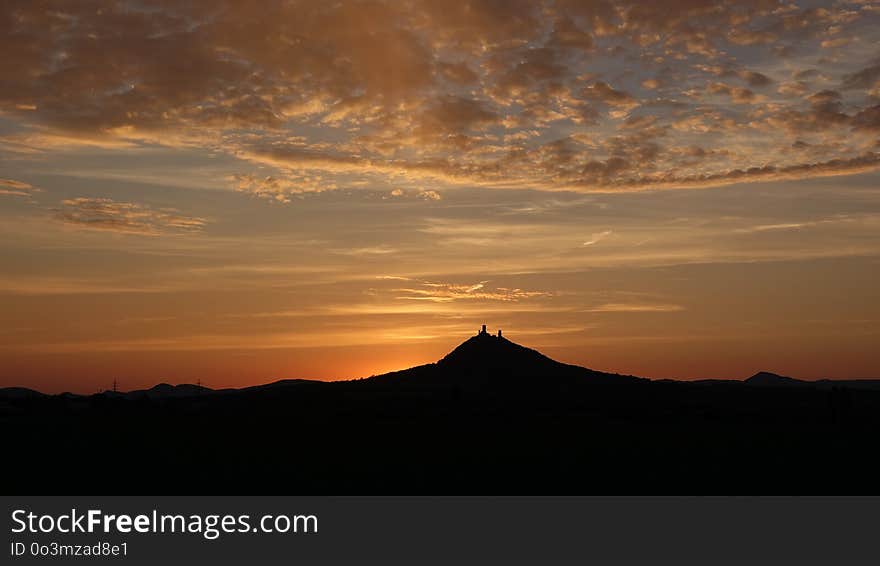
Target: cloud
(862,79)
(785,226)
(867,119)
(441,292)
(736,94)
(422,194)
(547,95)
(125,217)
(597,237)
(635,307)
(825,113)
(603,92)
(367,251)
(11,187)
(454,115)
(44,285)
(280,189)
(754,79)
(869,161)
(429,195)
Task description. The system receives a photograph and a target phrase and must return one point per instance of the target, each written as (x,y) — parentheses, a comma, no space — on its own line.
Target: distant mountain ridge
(19,393)
(164,390)
(769,379)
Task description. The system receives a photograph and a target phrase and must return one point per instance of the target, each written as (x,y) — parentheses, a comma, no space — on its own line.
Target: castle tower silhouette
(484,332)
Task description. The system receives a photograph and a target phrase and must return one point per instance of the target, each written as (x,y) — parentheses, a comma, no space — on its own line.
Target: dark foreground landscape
(492,417)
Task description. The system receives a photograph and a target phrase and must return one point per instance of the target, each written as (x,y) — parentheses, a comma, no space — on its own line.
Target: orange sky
(235,193)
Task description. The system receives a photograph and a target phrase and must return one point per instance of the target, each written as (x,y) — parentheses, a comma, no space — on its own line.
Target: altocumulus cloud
(125,217)
(592,95)
(281,189)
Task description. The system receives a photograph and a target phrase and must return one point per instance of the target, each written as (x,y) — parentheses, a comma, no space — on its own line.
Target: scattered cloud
(635,307)
(280,189)
(598,237)
(785,226)
(423,194)
(125,217)
(68,285)
(367,251)
(429,195)
(11,187)
(447,292)
(863,79)
(604,93)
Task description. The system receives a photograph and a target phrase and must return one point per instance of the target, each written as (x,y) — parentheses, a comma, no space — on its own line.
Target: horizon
(118,384)
(235,192)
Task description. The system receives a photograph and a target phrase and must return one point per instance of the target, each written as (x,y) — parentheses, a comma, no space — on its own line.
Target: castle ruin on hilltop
(483,332)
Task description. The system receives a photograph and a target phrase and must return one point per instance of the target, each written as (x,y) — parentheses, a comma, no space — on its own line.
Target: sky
(236,192)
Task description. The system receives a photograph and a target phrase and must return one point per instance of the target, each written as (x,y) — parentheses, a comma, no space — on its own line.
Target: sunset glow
(236,192)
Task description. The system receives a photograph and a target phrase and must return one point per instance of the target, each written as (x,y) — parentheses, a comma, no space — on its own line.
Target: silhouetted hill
(864,384)
(18,393)
(159,391)
(768,379)
(280,384)
(486,360)
(485,352)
